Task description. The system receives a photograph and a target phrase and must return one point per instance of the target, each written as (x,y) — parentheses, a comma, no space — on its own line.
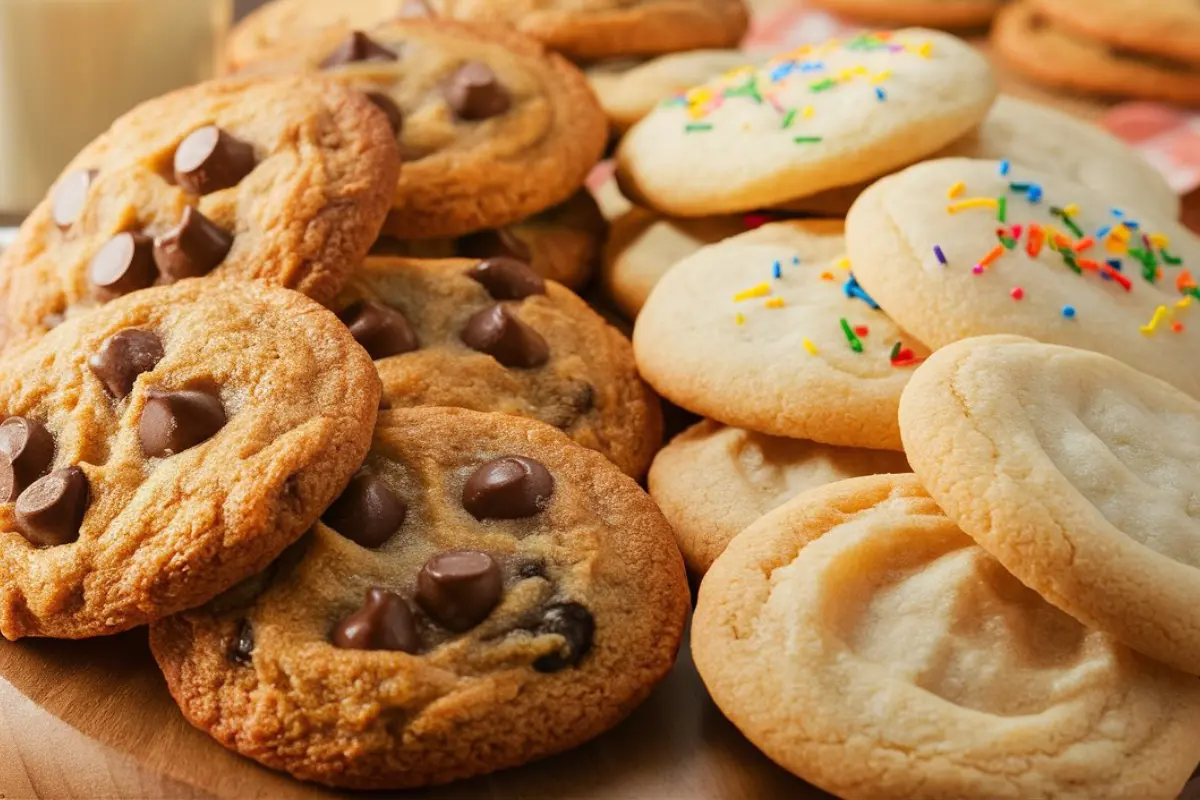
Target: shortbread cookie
(866,644)
(1164,28)
(285,181)
(643,245)
(494,336)
(713,481)
(492,128)
(812,119)
(1078,473)
(1031,43)
(934,13)
(485,593)
(629,90)
(561,244)
(769,331)
(158,450)
(1029,254)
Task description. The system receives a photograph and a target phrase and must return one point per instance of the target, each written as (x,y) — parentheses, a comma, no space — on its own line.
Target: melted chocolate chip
(26,450)
(474,92)
(355,48)
(174,421)
(382,331)
(122,357)
(211,159)
(459,589)
(384,622)
(368,512)
(498,332)
(575,624)
(511,487)
(123,265)
(531,569)
(193,248)
(243,645)
(51,510)
(507,278)
(70,196)
(500,242)
(388,106)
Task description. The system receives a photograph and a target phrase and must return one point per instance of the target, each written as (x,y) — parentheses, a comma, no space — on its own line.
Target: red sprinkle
(1016,231)
(1084,244)
(753,221)
(1177,327)
(1017,293)
(862,330)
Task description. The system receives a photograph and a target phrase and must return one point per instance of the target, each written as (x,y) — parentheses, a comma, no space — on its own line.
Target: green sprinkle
(750,89)
(1002,210)
(788,117)
(851,337)
(1019,187)
(692,127)
(1168,258)
(895,352)
(807,139)
(1194,291)
(1069,259)
(820,86)
(1075,229)
(1008,242)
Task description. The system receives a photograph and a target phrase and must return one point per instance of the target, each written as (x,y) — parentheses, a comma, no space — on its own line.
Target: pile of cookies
(949,14)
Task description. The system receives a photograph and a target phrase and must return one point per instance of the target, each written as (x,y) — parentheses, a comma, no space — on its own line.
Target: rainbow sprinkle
(853,290)
(760,290)
(956,190)
(972,202)
(1068,312)
(1160,316)
(777,270)
(855,343)
(740,318)
(809,346)
(939,255)
(807,139)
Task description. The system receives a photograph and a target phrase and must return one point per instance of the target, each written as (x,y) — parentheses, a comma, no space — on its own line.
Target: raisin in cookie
(285,181)
(493,335)
(484,593)
(492,128)
(160,449)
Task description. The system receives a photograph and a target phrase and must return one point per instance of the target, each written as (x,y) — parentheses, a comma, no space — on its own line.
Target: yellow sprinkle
(925,50)
(861,70)
(1184,303)
(774,302)
(807,112)
(1071,210)
(828,276)
(956,190)
(1160,314)
(761,290)
(1160,240)
(881,77)
(809,346)
(698,94)
(696,111)
(1120,233)
(843,263)
(973,202)
(845,74)
(740,318)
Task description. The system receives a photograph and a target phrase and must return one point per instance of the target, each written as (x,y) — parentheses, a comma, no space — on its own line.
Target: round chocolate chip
(122,357)
(459,589)
(474,92)
(51,510)
(498,332)
(174,421)
(193,248)
(211,159)
(384,622)
(507,278)
(388,106)
(511,487)
(26,450)
(123,265)
(492,244)
(382,331)
(368,512)
(70,196)
(575,625)
(243,645)
(358,47)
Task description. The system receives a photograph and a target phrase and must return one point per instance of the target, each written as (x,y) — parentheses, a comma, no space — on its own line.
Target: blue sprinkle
(1068,312)
(941,257)
(1104,232)
(881,94)
(782,71)
(1004,166)
(1115,263)
(852,289)
(775,271)
(1034,194)
(1118,213)
(795,261)
(1132,224)
(812,66)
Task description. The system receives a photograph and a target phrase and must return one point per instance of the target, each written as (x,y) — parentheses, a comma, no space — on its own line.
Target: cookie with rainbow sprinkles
(958,248)
(811,119)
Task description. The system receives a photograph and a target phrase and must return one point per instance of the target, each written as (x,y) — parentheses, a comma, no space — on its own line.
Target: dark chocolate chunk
(70,196)
(51,510)
(123,265)
(26,450)
(492,244)
(498,332)
(507,278)
(531,569)
(459,589)
(368,512)
(511,487)
(575,624)
(243,645)
(174,421)
(211,159)
(388,106)
(355,48)
(384,622)
(474,92)
(382,331)
(193,248)
(122,357)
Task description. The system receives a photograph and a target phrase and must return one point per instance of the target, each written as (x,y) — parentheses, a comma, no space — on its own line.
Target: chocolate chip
(367,512)
(243,645)
(579,397)
(575,624)
(193,248)
(211,159)
(385,622)
(459,589)
(70,196)
(122,357)
(123,265)
(499,333)
(474,92)
(382,331)
(358,47)
(531,569)
(26,450)
(493,243)
(174,421)
(507,278)
(51,510)
(508,488)
(388,106)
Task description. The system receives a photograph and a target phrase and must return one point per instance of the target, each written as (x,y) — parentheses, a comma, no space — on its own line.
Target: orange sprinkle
(1084,244)
(1036,237)
(997,251)
(1184,281)
(826,276)
(1062,242)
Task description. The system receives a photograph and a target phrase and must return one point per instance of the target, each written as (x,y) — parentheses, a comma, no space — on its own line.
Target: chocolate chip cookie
(285,181)
(162,448)
(493,335)
(483,594)
(493,128)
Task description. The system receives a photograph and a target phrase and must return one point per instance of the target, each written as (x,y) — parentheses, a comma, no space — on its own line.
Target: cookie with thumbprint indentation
(492,127)
(484,594)
(866,644)
(1078,473)
(493,335)
(158,450)
(770,331)
(958,248)
(284,181)
(712,481)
